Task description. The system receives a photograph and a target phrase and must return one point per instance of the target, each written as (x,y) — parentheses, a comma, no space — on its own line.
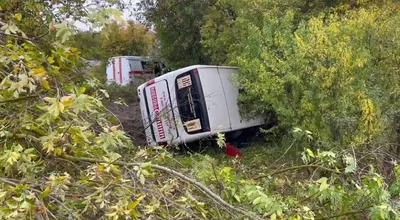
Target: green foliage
(317,194)
(177,24)
(88,43)
(331,76)
(131,39)
(317,72)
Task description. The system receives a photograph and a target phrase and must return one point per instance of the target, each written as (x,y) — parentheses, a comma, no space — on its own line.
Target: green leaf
(45,193)
(142,179)
(257,200)
(323,184)
(135,203)
(29,150)
(63,31)
(25,205)
(105,93)
(3,193)
(237,197)
(14,156)
(310,153)
(50,60)
(351,164)
(81,90)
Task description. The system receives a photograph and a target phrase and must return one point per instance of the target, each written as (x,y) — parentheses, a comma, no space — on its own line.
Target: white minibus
(191,103)
(124,70)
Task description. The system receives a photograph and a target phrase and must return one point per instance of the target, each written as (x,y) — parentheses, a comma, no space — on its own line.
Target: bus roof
(185,69)
(132,57)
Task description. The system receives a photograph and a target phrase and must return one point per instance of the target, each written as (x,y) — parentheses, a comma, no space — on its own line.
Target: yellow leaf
(38,70)
(66,100)
(58,151)
(13,158)
(18,16)
(61,107)
(45,84)
(114,128)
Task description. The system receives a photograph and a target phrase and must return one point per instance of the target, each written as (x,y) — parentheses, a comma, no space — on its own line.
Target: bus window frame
(200,99)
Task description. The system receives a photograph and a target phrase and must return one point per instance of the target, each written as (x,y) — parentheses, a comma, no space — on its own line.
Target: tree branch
(18,99)
(296,168)
(37,38)
(70,211)
(181,176)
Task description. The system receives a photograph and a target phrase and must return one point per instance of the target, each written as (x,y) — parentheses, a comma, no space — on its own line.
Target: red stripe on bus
(120,70)
(113,65)
(156,109)
(141,72)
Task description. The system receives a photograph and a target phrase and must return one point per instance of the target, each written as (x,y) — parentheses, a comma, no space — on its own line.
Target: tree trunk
(397,133)
(353,3)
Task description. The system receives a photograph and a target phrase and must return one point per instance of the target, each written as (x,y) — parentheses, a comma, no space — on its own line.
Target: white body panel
(220,97)
(215,99)
(232,93)
(123,70)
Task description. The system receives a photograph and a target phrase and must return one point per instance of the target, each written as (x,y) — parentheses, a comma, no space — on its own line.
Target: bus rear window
(191,103)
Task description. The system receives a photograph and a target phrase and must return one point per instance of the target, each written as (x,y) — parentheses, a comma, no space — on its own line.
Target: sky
(126,15)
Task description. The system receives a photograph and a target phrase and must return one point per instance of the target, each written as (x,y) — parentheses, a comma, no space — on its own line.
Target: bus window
(191,103)
(146,65)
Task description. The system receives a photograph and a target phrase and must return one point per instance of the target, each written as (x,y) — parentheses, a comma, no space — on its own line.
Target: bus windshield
(191,103)
(139,65)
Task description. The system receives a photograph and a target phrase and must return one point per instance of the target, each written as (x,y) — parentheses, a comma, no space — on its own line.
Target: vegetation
(177,24)
(126,40)
(329,71)
(89,44)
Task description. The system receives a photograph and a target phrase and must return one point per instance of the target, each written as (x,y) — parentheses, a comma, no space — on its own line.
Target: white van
(123,70)
(192,103)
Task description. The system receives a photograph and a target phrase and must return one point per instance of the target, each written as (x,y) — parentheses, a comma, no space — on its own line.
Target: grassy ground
(259,159)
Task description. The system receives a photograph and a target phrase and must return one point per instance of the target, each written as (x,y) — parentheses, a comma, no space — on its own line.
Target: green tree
(88,43)
(131,39)
(177,25)
(314,70)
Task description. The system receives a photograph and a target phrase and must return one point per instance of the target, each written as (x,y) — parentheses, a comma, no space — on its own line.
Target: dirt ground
(125,106)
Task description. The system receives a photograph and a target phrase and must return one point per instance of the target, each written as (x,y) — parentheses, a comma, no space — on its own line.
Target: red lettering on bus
(156,108)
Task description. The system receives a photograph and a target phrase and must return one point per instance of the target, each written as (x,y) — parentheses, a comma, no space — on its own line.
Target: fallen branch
(346,213)
(203,188)
(296,168)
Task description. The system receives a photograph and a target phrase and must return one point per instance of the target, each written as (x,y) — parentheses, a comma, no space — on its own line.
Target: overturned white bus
(191,103)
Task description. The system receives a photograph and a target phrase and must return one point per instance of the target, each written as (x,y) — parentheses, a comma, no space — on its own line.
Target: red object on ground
(232,151)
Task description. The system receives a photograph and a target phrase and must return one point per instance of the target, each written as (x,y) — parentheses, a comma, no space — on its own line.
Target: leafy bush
(331,74)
